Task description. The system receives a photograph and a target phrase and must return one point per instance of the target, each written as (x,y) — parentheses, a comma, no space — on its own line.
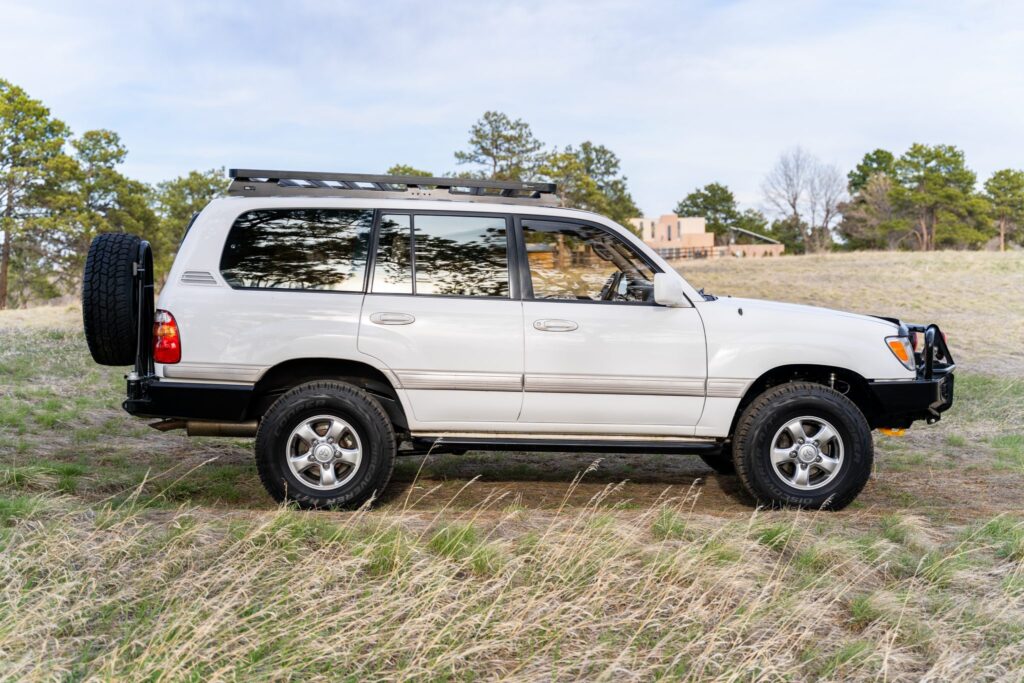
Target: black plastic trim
(153,397)
(900,403)
(681,447)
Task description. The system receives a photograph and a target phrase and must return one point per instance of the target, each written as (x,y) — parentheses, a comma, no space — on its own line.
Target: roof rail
(264,183)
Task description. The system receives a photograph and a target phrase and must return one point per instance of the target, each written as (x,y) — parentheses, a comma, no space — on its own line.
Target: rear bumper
(154,397)
(899,403)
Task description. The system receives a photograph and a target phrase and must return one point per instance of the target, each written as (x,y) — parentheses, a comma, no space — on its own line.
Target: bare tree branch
(808,192)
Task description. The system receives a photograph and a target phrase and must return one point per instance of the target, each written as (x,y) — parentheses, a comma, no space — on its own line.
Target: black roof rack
(264,183)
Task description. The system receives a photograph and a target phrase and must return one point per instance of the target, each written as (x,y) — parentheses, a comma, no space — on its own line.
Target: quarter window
(581,262)
(314,249)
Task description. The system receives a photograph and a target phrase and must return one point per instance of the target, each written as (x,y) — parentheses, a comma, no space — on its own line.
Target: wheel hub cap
(807,453)
(323,453)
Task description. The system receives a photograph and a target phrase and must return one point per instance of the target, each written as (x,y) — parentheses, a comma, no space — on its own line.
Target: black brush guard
(899,403)
(934,357)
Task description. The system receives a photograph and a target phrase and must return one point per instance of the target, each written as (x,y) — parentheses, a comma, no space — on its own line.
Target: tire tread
(108,313)
(772,399)
(270,425)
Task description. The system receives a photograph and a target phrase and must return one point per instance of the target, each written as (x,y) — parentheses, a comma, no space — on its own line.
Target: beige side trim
(460,381)
(727,388)
(615,384)
(215,371)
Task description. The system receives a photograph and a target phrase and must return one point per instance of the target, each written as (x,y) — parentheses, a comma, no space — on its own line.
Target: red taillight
(166,341)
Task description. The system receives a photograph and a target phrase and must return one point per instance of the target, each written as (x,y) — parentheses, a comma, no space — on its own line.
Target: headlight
(902,349)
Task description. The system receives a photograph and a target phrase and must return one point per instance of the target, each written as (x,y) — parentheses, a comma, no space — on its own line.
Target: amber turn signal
(901,348)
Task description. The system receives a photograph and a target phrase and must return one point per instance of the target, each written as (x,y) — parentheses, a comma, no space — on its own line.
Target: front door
(439,314)
(601,356)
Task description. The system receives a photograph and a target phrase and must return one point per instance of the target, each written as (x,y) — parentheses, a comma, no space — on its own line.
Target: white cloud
(685,93)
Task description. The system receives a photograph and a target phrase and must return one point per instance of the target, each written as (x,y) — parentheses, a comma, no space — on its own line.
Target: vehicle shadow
(546,480)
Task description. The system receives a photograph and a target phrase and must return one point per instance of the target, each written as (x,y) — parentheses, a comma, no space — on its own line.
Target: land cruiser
(345,319)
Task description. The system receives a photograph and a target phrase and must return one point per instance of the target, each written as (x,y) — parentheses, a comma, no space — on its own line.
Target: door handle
(385,318)
(555,325)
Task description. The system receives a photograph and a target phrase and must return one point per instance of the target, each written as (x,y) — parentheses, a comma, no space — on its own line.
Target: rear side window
(313,249)
(442,255)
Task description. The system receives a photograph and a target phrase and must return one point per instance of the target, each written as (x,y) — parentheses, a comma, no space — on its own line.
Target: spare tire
(109,305)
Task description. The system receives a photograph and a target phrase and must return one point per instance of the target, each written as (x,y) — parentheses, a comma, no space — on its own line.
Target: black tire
(768,415)
(347,403)
(109,310)
(719,462)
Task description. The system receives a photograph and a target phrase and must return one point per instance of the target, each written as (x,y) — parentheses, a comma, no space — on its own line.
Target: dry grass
(976,297)
(42,317)
(131,555)
(123,593)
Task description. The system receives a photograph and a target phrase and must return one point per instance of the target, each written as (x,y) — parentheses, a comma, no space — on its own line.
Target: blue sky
(684,92)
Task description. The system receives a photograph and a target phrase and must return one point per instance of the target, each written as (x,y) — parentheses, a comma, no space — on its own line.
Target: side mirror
(668,290)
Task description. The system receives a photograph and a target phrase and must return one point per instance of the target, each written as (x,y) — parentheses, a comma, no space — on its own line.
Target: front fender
(747,337)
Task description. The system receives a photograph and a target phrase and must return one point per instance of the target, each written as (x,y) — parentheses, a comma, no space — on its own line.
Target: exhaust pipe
(208,428)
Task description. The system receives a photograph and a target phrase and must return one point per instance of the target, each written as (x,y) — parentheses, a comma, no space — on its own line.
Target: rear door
(601,356)
(440,313)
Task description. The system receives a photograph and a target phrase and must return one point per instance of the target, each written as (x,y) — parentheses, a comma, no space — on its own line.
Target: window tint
(461,255)
(392,271)
(320,249)
(581,262)
(454,255)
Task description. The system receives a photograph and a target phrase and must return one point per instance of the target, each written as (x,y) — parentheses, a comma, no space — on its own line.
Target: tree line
(588,175)
(925,199)
(58,190)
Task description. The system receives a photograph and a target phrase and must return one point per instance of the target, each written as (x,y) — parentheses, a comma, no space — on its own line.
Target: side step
(508,442)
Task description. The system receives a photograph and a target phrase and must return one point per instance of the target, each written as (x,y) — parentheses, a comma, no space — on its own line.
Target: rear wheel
(803,444)
(325,444)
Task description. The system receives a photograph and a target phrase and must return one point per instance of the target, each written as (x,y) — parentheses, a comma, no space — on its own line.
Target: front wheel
(325,444)
(803,444)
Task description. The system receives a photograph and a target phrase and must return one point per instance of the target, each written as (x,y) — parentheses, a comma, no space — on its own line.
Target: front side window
(451,255)
(570,261)
(312,249)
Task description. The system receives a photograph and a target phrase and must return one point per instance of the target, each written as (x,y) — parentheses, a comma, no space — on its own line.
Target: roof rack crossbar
(267,183)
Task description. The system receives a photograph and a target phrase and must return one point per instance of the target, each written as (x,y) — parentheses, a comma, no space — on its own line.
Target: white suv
(343,319)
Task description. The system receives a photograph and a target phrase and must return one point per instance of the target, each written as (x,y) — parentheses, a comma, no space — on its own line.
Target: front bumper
(899,403)
(153,397)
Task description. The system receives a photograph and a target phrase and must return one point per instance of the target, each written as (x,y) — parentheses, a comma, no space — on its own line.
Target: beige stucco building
(676,237)
(672,231)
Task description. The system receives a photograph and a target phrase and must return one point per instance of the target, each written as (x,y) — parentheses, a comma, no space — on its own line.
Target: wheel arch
(290,373)
(845,381)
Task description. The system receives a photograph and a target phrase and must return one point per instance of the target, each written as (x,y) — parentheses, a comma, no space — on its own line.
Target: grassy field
(131,555)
